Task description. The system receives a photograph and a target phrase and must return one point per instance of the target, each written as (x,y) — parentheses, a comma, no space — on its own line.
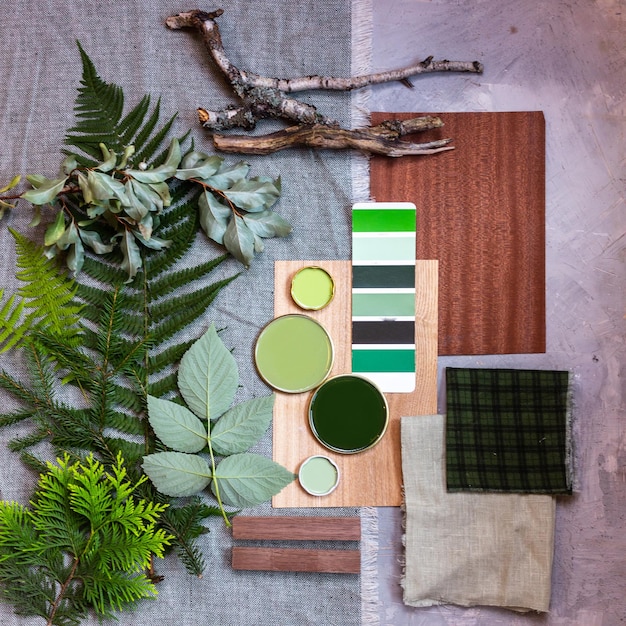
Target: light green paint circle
(294,353)
(312,288)
(318,475)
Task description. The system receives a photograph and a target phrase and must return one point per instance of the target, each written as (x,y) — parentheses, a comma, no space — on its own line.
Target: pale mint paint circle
(319,475)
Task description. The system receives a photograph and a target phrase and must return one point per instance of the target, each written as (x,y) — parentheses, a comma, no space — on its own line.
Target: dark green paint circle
(348,414)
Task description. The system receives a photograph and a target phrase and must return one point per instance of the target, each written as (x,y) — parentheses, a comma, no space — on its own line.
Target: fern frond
(185,524)
(99,108)
(47,294)
(28,441)
(165,283)
(163,386)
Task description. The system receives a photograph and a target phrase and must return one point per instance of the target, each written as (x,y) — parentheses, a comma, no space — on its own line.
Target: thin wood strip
(373,477)
(296,560)
(298,528)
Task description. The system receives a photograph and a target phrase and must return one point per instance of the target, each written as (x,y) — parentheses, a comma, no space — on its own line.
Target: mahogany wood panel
(481,213)
(297,560)
(372,477)
(297,528)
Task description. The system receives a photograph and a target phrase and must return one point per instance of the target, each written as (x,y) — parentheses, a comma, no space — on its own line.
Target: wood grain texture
(481,213)
(297,528)
(372,477)
(297,560)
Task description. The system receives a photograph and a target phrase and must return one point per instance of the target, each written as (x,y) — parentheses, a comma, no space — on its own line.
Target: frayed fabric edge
(370,603)
(361,64)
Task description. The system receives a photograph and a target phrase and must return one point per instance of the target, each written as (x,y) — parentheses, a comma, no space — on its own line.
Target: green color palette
(348,414)
(383,294)
(293,353)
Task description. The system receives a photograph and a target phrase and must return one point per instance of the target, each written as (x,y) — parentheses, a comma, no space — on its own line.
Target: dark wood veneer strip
(296,560)
(297,528)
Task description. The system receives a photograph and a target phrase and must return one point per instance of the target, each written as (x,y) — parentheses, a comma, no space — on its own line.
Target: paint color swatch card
(383,294)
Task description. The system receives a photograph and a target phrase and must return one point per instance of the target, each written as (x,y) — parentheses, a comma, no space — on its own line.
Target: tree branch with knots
(263,97)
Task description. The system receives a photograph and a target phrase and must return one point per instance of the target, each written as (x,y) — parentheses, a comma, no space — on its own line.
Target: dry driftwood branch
(264,97)
(381,139)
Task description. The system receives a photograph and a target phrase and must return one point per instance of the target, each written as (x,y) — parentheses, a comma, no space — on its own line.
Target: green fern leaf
(99,108)
(46,293)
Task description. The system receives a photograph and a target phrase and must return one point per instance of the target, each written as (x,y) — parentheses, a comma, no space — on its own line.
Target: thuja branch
(264,97)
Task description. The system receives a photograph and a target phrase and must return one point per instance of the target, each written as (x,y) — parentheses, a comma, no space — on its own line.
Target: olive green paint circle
(312,288)
(348,414)
(294,353)
(318,475)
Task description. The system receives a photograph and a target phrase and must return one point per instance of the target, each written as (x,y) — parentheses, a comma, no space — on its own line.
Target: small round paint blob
(294,353)
(348,414)
(318,475)
(312,288)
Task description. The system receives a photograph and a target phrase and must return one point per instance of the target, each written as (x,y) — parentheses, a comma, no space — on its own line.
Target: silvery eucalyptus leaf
(198,165)
(55,231)
(92,239)
(267,224)
(253,194)
(239,240)
(228,175)
(45,191)
(214,216)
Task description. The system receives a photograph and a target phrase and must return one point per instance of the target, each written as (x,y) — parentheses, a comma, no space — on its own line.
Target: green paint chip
(383,220)
(383,304)
(383,360)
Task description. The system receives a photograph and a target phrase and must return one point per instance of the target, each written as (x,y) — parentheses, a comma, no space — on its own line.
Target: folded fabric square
(469,549)
(508,430)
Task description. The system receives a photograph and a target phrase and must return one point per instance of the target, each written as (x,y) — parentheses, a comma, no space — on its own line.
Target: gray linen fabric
(469,549)
(130,46)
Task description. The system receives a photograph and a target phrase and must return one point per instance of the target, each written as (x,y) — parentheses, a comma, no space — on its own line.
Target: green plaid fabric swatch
(508,430)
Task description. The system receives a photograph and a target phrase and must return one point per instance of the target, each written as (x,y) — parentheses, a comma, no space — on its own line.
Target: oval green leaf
(208,376)
(177,474)
(176,426)
(242,426)
(253,194)
(239,240)
(228,175)
(214,216)
(267,224)
(46,190)
(249,479)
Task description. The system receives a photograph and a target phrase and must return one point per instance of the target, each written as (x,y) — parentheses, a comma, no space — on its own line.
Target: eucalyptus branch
(266,97)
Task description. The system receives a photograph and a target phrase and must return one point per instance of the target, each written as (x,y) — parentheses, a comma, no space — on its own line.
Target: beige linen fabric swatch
(469,549)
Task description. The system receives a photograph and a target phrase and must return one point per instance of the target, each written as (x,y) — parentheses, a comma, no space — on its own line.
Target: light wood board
(373,477)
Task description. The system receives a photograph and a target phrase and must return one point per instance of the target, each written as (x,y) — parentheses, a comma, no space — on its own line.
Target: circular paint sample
(293,353)
(348,414)
(312,288)
(318,475)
